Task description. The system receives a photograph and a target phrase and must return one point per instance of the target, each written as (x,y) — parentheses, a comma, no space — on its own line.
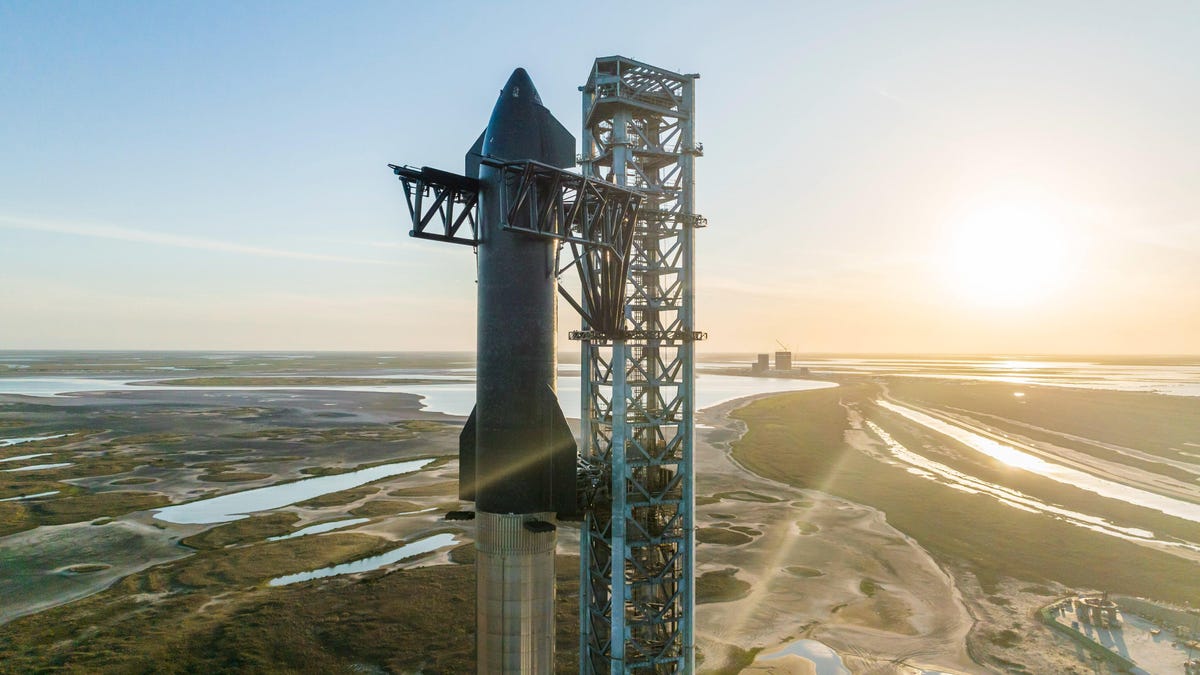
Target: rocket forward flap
(564,455)
(475,154)
(466,460)
(558,145)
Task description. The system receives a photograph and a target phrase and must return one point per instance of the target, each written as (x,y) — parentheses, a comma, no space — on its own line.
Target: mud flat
(1006,556)
(819,568)
(37,563)
(135,452)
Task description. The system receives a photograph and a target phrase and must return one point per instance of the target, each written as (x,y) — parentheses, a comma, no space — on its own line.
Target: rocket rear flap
(564,455)
(466,460)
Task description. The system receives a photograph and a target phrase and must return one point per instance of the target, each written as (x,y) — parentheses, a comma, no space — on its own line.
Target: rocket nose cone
(519,86)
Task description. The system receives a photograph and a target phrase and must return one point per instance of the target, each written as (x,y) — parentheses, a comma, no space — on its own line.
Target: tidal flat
(127,455)
(1007,557)
(813,532)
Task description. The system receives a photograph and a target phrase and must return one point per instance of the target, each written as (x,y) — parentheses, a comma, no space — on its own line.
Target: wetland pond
(1013,457)
(826,660)
(426,545)
(5,442)
(455,396)
(236,506)
(321,527)
(39,467)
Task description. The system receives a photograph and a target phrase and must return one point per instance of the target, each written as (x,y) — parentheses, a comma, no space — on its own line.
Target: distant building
(783,360)
(763,364)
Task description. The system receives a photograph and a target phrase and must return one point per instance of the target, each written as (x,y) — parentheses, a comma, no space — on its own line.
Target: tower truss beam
(637,546)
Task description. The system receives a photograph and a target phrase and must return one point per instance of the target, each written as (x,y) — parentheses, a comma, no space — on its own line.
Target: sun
(1007,255)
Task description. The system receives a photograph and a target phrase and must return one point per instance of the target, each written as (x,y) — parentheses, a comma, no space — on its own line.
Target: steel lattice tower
(637,545)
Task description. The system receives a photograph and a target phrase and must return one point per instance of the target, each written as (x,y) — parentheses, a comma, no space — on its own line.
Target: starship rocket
(517,456)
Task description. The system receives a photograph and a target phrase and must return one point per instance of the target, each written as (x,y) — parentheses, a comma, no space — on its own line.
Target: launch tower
(637,545)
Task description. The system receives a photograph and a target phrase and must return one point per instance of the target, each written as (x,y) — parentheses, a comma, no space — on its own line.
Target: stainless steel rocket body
(515,594)
(517,453)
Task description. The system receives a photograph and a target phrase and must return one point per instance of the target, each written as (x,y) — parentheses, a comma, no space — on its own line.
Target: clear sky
(1011,177)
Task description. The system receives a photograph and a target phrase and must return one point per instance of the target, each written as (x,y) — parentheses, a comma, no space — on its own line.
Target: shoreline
(986,547)
(841,619)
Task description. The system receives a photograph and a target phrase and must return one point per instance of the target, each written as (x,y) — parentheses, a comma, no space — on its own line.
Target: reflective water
(21,457)
(826,660)
(236,506)
(1056,472)
(711,390)
(321,527)
(5,442)
(39,467)
(927,468)
(418,547)
(454,397)
(1178,378)
(33,496)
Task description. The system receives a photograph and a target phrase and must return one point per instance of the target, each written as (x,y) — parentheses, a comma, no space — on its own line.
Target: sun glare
(1007,255)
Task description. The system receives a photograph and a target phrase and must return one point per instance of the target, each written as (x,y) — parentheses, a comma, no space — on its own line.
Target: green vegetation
(144,439)
(803,572)
(384,507)
(339,498)
(253,565)
(1005,638)
(1150,422)
(736,659)
(233,476)
(798,438)
(718,535)
(87,568)
(807,527)
(134,480)
(247,530)
(211,613)
(442,489)
(17,516)
(747,496)
(292,381)
(720,586)
(972,462)
(398,431)
(869,587)
(336,470)
(17,484)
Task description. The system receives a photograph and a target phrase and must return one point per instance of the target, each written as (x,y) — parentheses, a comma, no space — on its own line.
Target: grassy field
(798,438)
(18,516)
(244,531)
(213,613)
(292,381)
(1149,422)
(720,586)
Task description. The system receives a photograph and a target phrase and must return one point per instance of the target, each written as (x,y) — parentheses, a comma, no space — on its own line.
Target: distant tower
(783,360)
(637,544)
